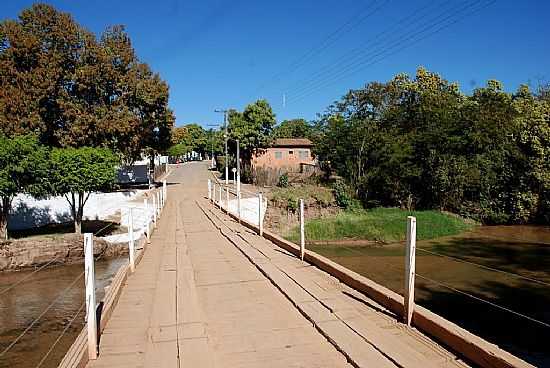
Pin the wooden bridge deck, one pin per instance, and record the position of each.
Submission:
(210, 293)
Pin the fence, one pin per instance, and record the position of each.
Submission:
(471, 346)
(140, 221)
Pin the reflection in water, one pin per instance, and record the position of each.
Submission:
(523, 250)
(21, 305)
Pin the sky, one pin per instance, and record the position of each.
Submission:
(302, 55)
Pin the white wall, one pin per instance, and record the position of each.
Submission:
(28, 212)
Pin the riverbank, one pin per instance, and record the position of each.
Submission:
(38, 251)
(379, 225)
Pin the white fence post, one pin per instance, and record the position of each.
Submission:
(239, 205)
(302, 233)
(131, 238)
(164, 191)
(158, 204)
(260, 221)
(220, 196)
(89, 278)
(410, 269)
(154, 212)
(209, 189)
(147, 220)
(227, 198)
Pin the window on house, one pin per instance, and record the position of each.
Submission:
(304, 155)
(278, 155)
(290, 152)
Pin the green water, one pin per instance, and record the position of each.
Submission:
(522, 250)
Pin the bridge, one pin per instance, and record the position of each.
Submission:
(209, 292)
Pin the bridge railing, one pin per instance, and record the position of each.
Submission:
(140, 221)
(401, 300)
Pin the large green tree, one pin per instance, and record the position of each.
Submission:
(420, 142)
(24, 168)
(253, 127)
(295, 128)
(58, 81)
(78, 172)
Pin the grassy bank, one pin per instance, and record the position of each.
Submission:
(380, 224)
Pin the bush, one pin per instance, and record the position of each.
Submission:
(283, 181)
(342, 195)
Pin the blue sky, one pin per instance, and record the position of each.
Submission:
(227, 53)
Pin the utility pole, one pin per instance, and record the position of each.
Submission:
(238, 168)
(225, 111)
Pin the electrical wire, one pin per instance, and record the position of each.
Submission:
(324, 44)
(354, 68)
(448, 14)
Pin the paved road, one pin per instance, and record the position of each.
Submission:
(209, 293)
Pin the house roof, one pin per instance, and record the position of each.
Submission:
(292, 142)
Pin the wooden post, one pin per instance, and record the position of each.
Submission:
(260, 222)
(209, 189)
(410, 269)
(131, 238)
(147, 220)
(89, 280)
(302, 235)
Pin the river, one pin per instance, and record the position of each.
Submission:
(510, 250)
(20, 306)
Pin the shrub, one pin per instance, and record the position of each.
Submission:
(283, 181)
(342, 195)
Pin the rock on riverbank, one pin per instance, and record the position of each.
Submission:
(37, 251)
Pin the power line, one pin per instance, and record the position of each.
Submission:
(484, 301)
(325, 43)
(372, 60)
(355, 52)
(453, 11)
(41, 315)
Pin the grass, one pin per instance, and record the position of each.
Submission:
(381, 224)
(312, 194)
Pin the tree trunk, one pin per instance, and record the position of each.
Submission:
(4, 212)
(77, 226)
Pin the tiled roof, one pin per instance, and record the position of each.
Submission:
(292, 142)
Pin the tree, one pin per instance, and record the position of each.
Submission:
(192, 136)
(178, 150)
(77, 172)
(252, 127)
(420, 142)
(58, 81)
(295, 128)
(23, 169)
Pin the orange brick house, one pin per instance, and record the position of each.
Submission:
(285, 153)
